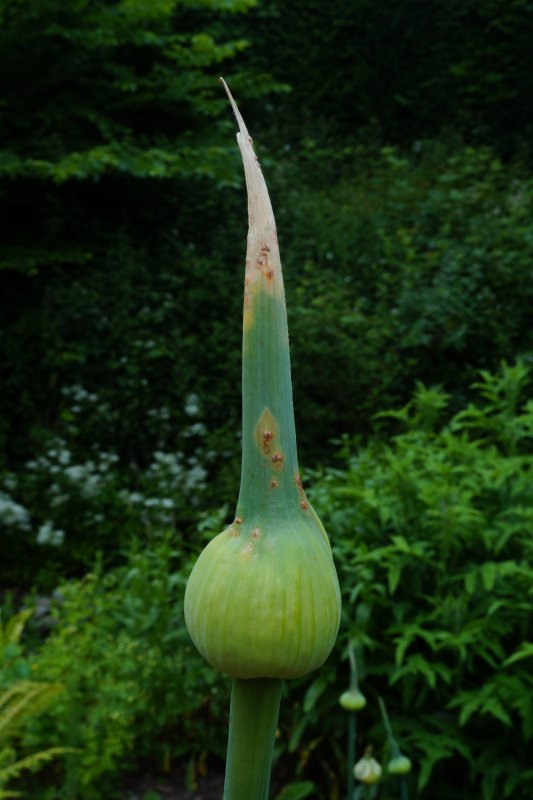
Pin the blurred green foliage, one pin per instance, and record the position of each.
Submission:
(432, 539)
(401, 71)
(395, 140)
(432, 535)
(134, 691)
(408, 267)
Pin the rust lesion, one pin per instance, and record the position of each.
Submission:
(266, 432)
(277, 460)
(273, 484)
(264, 264)
(268, 436)
(304, 503)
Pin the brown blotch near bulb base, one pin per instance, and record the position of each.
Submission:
(303, 499)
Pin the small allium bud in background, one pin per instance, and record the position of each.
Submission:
(399, 765)
(352, 700)
(367, 770)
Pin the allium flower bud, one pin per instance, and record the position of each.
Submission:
(367, 770)
(399, 765)
(352, 700)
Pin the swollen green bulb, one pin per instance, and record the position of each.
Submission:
(399, 765)
(352, 700)
(263, 599)
(367, 770)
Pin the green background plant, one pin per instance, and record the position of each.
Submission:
(401, 176)
(433, 548)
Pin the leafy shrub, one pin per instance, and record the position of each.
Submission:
(432, 537)
(399, 267)
(432, 540)
(20, 700)
(70, 503)
(133, 693)
(403, 267)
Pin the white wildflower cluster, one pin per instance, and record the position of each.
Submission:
(78, 397)
(195, 476)
(12, 514)
(171, 472)
(168, 479)
(79, 394)
(196, 429)
(47, 534)
(162, 413)
(192, 405)
(87, 477)
(152, 509)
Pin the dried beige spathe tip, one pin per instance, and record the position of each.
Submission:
(261, 222)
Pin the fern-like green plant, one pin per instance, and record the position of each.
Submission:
(22, 700)
(11, 630)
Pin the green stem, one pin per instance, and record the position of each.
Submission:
(353, 666)
(404, 792)
(253, 720)
(395, 750)
(352, 733)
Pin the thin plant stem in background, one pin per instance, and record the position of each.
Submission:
(352, 738)
(388, 728)
(352, 701)
(399, 764)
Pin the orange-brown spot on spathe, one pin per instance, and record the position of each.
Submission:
(266, 431)
(303, 499)
(267, 438)
(273, 484)
(263, 264)
(277, 460)
(233, 532)
(238, 520)
(255, 533)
